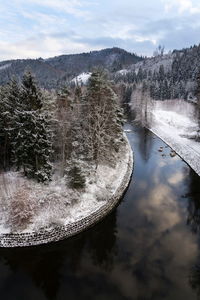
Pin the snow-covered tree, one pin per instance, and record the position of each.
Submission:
(32, 143)
(143, 104)
(9, 105)
(63, 134)
(103, 119)
(3, 135)
(76, 179)
(31, 95)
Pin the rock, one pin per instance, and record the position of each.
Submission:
(172, 153)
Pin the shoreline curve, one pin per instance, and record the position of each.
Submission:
(58, 233)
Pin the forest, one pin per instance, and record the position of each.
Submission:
(39, 128)
(56, 148)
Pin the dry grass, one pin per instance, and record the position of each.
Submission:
(21, 209)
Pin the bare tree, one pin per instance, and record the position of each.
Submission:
(63, 128)
(159, 51)
(103, 119)
(142, 104)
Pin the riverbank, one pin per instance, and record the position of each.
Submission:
(98, 199)
(174, 122)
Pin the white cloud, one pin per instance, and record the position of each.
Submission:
(46, 23)
(182, 6)
(45, 28)
(73, 7)
(45, 47)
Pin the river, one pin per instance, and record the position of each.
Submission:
(148, 248)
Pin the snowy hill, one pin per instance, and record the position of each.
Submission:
(170, 76)
(153, 64)
(57, 70)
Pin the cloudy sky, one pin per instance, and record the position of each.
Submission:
(45, 28)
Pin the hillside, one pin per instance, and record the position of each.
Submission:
(53, 71)
(169, 76)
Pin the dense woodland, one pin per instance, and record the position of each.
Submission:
(67, 131)
(171, 76)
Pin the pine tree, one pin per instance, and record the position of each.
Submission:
(140, 74)
(3, 135)
(32, 144)
(161, 73)
(10, 104)
(31, 95)
(76, 178)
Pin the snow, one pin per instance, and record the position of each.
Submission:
(82, 78)
(153, 63)
(175, 123)
(5, 66)
(56, 204)
(123, 71)
(127, 130)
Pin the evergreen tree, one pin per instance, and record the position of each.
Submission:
(140, 75)
(3, 135)
(32, 144)
(161, 73)
(31, 95)
(9, 105)
(76, 178)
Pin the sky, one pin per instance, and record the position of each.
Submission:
(47, 28)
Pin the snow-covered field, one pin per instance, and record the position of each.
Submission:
(55, 204)
(174, 121)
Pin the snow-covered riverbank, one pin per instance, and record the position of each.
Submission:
(55, 204)
(174, 122)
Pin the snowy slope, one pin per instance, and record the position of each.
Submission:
(153, 63)
(177, 126)
(82, 78)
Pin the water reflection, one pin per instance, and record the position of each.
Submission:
(40, 272)
(166, 248)
(145, 143)
(144, 250)
(193, 196)
(195, 279)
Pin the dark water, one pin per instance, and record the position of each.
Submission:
(148, 248)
